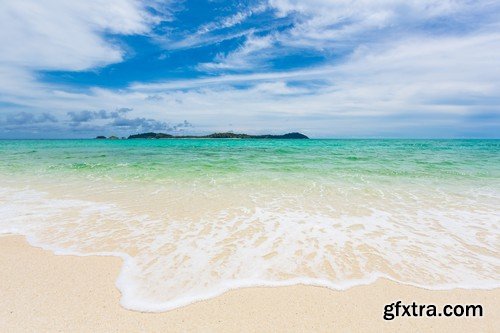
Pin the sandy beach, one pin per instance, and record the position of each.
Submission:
(44, 292)
(249, 166)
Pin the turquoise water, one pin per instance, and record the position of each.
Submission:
(164, 159)
(194, 218)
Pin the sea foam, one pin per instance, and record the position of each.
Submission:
(181, 245)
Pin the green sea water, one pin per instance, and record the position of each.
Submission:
(192, 158)
(193, 218)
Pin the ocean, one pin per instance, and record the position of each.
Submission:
(193, 218)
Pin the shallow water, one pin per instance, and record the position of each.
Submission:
(193, 218)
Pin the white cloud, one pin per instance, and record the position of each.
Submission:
(422, 83)
(216, 31)
(435, 81)
(63, 35)
(319, 22)
(231, 21)
(332, 26)
(67, 35)
(246, 56)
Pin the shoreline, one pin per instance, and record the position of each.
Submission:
(48, 292)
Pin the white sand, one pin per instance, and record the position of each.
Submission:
(42, 292)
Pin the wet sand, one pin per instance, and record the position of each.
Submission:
(44, 292)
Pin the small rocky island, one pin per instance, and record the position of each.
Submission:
(225, 135)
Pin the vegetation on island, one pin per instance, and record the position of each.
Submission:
(224, 135)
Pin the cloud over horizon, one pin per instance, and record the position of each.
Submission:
(327, 68)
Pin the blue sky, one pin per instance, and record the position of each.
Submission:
(327, 68)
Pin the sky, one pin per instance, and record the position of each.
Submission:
(325, 68)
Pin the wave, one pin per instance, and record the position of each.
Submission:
(199, 246)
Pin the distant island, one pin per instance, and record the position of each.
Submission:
(226, 135)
